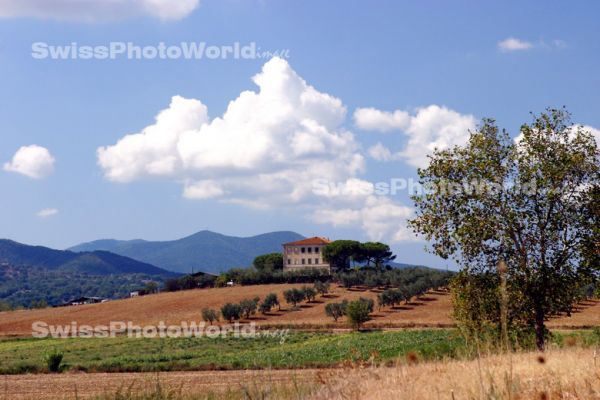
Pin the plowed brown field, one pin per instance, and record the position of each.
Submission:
(432, 310)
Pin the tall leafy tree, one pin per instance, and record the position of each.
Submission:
(525, 201)
(591, 247)
(375, 254)
(268, 262)
(341, 253)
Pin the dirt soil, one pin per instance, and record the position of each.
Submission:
(432, 310)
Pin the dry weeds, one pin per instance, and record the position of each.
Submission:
(572, 373)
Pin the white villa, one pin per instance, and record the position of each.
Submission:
(305, 253)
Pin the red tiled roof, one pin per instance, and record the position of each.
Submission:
(309, 241)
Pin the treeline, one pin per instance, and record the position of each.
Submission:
(417, 279)
(249, 276)
(35, 287)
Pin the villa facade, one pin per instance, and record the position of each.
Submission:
(305, 253)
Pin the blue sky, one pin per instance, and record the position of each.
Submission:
(441, 65)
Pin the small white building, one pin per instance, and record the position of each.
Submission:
(305, 253)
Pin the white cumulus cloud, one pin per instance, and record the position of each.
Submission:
(47, 212)
(269, 144)
(381, 153)
(514, 44)
(32, 161)
(429, 128)
(200, 190)
(381, 218)
(266, 150)
(371, 119)
(97, 10)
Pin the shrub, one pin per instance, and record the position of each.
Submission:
(322, 287)
(358, 313)
(231, 311)
(270, 301)
(248, 307)
(369, 302)
(209, 315)
(336, 310)
(53, 361)
(294, 296)
(309, 293)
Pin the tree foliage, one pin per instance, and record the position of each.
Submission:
(336, 310)
(248, 307)
(268, 262)
(340, 253)
(268, 303)
(231, 311)
(294, 296)
(209, 315)
(358, 312)
(523, 201)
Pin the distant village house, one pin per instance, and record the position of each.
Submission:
(305, 253)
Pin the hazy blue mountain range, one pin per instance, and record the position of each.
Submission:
(33, 276)
(94, 262)
(203, 251)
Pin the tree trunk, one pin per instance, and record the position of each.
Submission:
(540, 329)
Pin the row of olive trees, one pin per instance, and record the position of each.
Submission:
(308, 293)
(248, 307)
(393, 297)
(244, 309)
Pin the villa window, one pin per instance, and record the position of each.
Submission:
(316, 261)
(303, 261)
(310, 260)
(303, 250)
(289, 261)
(316, 249)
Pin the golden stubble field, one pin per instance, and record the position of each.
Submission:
(570, 373)
(432, 310)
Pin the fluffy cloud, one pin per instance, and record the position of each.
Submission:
(514, 44)
(93, 10)
(371, 119)
(430, 128)
(266, 151)
(381, 153)
(269, 144)
(33, 161)
(47, 212)
(201, 190)
(379, 217)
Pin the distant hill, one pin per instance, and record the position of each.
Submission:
(94, 262)
(33, 275)
(204, 251)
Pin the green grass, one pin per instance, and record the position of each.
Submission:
(300, 350)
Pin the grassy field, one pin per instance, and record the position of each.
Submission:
(569, 372)
(300, 350)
